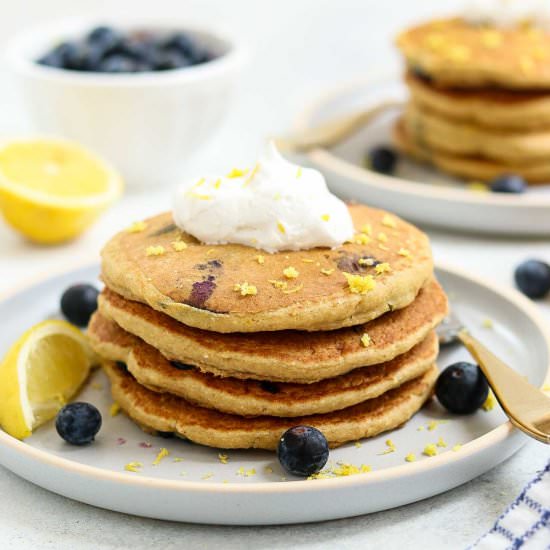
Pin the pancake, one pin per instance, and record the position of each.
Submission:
(285, 356)
(201, 286)
(465, 139)
(469, 167)
(456, 53)
(251, 397)
(168, 413)
(497, 109)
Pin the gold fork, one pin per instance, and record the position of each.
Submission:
(526, 406)
(334, 131)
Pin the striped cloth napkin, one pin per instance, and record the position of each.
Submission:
(525, 523)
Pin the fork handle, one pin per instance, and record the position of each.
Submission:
(526, 406)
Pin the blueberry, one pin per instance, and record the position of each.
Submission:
(170, 59)
(106, 37)
(78, 423)
(78, 303)
(117, 63)
(533, 278)
(188, 47)
(508, 183)
(303, 451)
(462, 388)
(382, 159)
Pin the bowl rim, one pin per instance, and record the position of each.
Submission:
(20, 62)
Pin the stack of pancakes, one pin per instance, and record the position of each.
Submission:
(229, 347)
(479, 99)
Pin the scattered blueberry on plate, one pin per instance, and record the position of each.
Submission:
(533, 278)
(508, 183)
(108, 50)
(462, 388)
(78, 303)
(303, 451)
(78, 423)
(382, 159)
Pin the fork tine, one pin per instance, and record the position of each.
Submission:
(448, 330)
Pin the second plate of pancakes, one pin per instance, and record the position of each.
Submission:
(417, 192)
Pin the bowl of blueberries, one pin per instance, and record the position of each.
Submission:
(144, 95)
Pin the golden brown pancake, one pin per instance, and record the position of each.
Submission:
(204, 286)
(465, 139)
(489, 108)
(252, 397)
(469, 167)
(456, 53)
(168, 413)
(286, 356)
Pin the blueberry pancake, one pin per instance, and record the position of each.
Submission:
(284, 356)
(488, 108)
(164, 412)
(256, 397)
(462, 54)
(236, 288)
(469, 167)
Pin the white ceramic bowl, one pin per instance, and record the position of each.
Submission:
(146, 124)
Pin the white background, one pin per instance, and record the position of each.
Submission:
(298, 48)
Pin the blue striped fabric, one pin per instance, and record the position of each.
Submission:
(525, 523)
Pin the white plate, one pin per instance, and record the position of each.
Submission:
(95, 474)
(416, 192)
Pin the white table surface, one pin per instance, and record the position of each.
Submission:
(298, 49)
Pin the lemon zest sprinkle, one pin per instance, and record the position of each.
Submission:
(405, 252)
(281, 228)
(278, 284)
(245, 289)
(293, 290)
(391, 447)
(299, 172)
(430, 449)
(325, 217)
(178, 246)
(268, 470)
(383, 267)
(366, 340)
(114, 409)
(411, 457)
(290, 272)
(136, 227)
(162, 454)
(218, 183)
(209, 475)
(199, 196)
(237, 173)
(358, 444)
(457, 447)
(382, 237)
(490, 402)
(388, 221)
(223, 458)
(133, 467)
(360, 284)
(155, 250)
(260, 259)
(361, 238)
(327, 272)
(308, 260)
(177, 459)
(441, 442)
(487, 323)
(366, 229)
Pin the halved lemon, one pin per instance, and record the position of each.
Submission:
(52, 190)
(40, 373)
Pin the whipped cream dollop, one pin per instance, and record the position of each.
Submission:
(275, 205)
(508, 13)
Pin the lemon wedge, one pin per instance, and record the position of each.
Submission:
(40, 373)
(52, 190)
